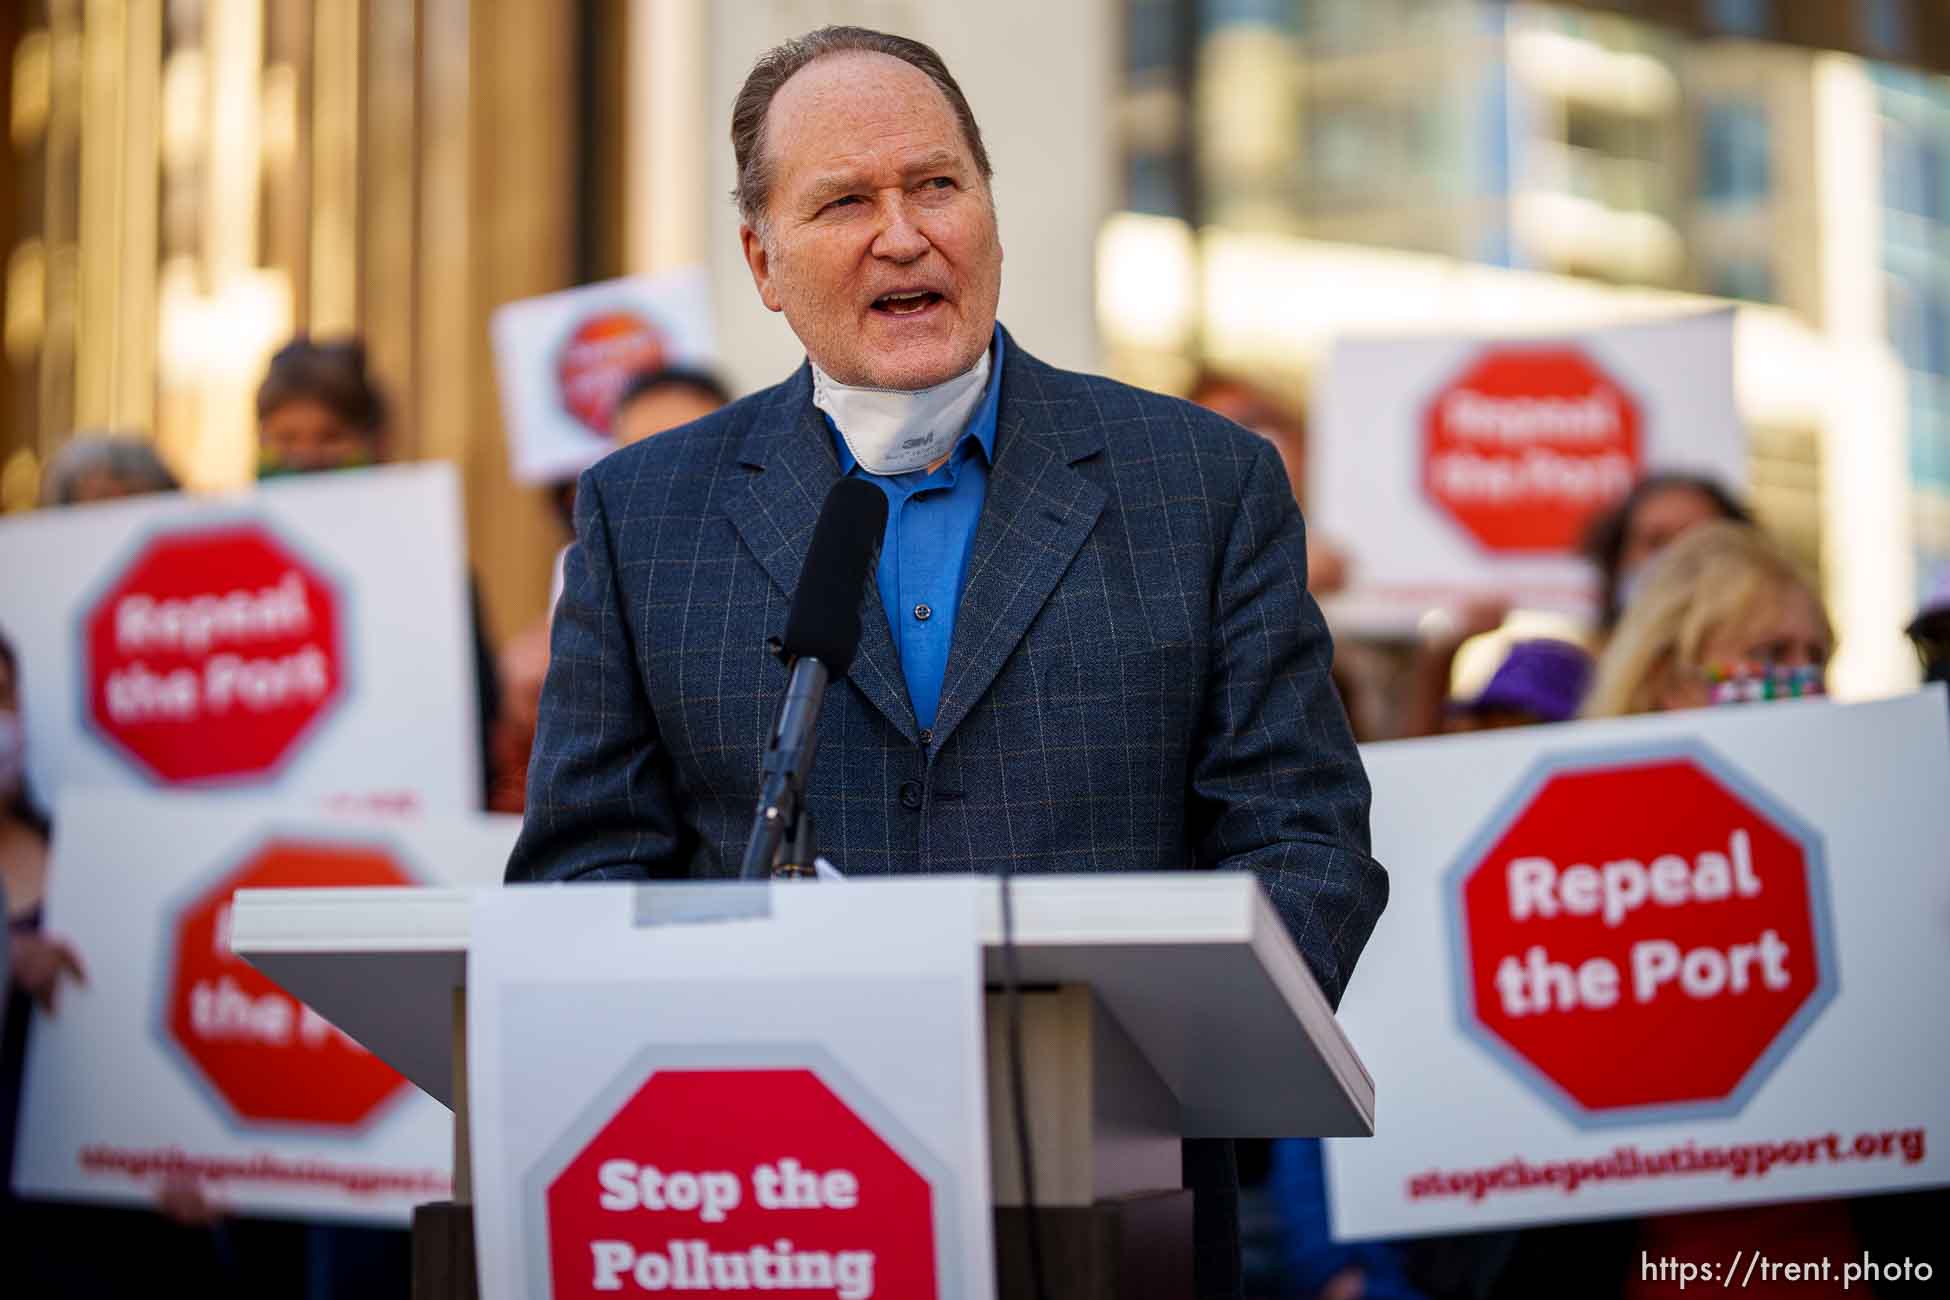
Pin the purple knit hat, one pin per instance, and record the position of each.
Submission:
(1545, 678)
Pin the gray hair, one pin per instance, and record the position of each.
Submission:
(777, 66)
(126, 457)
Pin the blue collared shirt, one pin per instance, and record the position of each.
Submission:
(931, 521)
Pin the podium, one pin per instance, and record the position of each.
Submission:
(1155, 1007)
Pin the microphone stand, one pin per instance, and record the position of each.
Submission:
(781, 843)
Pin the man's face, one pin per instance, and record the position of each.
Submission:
(881, 246)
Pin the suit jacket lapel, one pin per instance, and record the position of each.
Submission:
(1038, 513)
(774, 509)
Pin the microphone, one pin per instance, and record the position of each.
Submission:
(822, 634)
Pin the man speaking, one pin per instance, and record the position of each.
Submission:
(1087, 644)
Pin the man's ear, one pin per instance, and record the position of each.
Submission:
(760, 263)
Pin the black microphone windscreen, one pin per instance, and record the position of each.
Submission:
(824, 622)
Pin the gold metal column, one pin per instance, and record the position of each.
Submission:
(191, 181)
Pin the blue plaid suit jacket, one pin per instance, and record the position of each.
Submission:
(1138, 678)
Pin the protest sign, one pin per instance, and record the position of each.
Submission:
(309, 637)
(1654, 964)
(1489, 457)
(176, 1057)
(798, 1130)
(562, 358)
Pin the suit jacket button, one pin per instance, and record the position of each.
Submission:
(910, 794)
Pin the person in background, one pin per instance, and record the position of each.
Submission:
(1723, 617)
(1313, 1264)
(1253, 408)
(38, 966)
(651, 402)
(1658, 509)
(38, 963)
(1540, 680)
(1439, 638)
(1929, 632)
(318, 410)
(655, 400)
(104, 467)
(55, 1248)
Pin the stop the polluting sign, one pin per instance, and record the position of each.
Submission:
(724, 1181)
(1641, 933)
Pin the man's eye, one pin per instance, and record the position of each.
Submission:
(845, 201)
(938, 183)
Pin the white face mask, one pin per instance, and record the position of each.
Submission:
(894, 432)
(13, 755)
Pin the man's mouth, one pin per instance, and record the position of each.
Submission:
(906, 303)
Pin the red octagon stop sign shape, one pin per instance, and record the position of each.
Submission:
(212, 654)
(1526, 444)
(268, 1057)
(1642, 935)
(601, 356)
(748, 1179)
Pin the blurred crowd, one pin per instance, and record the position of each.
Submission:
(1696, 607)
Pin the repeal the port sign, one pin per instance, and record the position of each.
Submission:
(1489, 455)
(309, 638)
(1640, 930)
(212, 653)
(177, 1059)
(267, 1057)
(1527, 444)
(1651, 965)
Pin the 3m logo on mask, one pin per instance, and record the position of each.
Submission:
(894, 432)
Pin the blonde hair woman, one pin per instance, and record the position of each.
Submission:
(1724, 615)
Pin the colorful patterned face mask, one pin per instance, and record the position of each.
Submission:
(270, 467)
(1749, 682)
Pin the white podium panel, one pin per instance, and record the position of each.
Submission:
(1195, 967)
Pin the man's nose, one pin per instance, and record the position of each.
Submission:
(899, 240)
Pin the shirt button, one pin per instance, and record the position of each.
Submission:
(910, 794)
(927, 735)
(923, 612)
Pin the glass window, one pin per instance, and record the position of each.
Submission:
(1734, 145)
(1885, 24)
(1919, 325)
(1750, 279)
(1915, 170)
(1743, 17)
(1279, 14)
(1151, 36)
(1151, 186)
